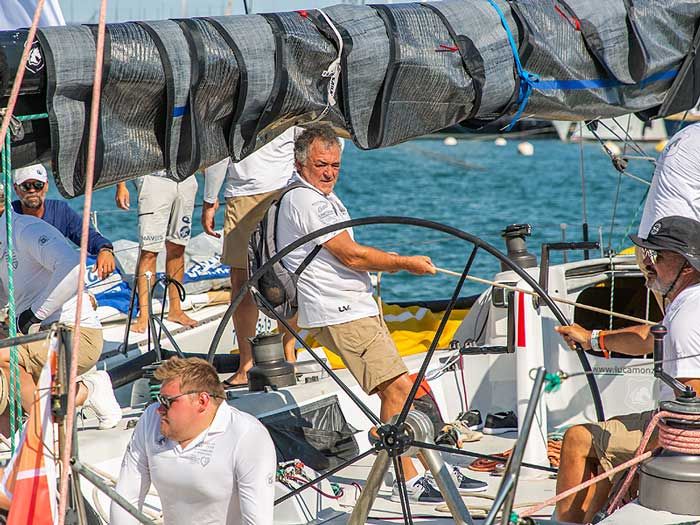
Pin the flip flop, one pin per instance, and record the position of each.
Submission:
(228, 385)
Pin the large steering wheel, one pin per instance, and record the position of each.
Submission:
(394, 429)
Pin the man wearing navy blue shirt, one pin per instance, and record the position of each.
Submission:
(31, 186)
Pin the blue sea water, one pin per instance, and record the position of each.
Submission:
(475, 186)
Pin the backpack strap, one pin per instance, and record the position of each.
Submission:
(307, 260)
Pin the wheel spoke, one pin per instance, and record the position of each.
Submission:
(365, 409)
(436, 337)
(403, 492)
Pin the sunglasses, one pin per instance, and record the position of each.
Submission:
(167, 401)
(37, 185)
(652, 255)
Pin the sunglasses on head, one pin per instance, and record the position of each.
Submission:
(37, 185)
(167, 401)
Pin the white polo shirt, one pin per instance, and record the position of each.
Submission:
(675, 188)
(328, 291)
(683, 338)
(267, 169)
(225, 476)
(46, 271)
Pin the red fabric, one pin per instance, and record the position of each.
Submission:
(423, 389)
(30, 502)
(521, 341)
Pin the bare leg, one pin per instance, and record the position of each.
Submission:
(175, 268)
(393, 395)
(146, 263)
(27, 389)
(4, 502)
(289, 340)
(579, 463)
(244, 320)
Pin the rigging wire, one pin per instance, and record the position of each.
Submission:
(583, 177)
(89, 179)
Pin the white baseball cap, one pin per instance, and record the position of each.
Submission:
(33, 172)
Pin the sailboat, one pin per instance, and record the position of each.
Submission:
(624, 129)
(383, 74)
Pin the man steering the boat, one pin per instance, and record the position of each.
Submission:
(209, 462)
(335, 292)
(46, 271)
(672, 266)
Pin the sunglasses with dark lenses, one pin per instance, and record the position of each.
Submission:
(167, 401)
(37, 185)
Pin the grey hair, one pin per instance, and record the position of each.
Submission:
(322, 132)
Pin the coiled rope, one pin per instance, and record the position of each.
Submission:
(685, 441)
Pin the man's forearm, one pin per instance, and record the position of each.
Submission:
(214, 177)
(633, 340)
(369, 259)
(58, 291)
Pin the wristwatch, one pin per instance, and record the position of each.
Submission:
(595, 335)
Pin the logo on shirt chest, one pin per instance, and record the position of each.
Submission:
(201, 455)
(344, 308)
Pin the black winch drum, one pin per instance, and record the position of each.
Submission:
(271, 369)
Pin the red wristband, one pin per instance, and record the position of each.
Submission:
(601, 344)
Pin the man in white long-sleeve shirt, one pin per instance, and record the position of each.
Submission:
(210, 463)
(45, 284)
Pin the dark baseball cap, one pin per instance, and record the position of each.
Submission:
(675, 234)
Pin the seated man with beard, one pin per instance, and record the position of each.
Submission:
(672, 266)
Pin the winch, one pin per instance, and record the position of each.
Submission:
(516, 245)
(670, 479)
(271, 369)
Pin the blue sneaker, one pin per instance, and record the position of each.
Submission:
(420, 491)
(465, 485)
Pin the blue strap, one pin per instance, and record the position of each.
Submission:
(527, 79)
(603, 83)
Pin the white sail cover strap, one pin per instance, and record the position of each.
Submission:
(333, 70)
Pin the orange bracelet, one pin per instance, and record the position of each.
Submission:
(601, 344)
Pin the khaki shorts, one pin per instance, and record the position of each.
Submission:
(165, 211)
(32, 357)
(617, 439)
(241, 217)
(366, 348)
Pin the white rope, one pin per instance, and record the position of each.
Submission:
(332, 72)
(554, 298)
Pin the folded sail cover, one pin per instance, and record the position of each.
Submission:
(184, 94)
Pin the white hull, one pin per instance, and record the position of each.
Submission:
(491, 385)
(626, 128)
